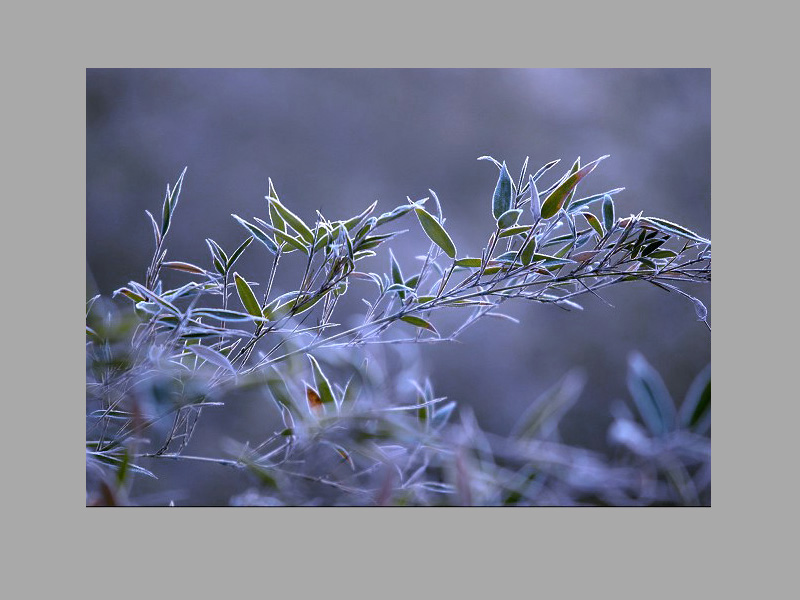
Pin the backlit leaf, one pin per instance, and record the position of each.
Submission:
(608, 212)
(246, 296)
(594, 222)
(322, 383)
(258, 233)
(436, 232)
(555, 200)
(314, 401)
(293, 221)
(418, 322)
(674, 228)
(182, 266)
(238, 252)
(509, 218)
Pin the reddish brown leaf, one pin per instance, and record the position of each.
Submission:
(314, 401)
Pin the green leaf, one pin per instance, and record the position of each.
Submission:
(662, 254)
(575, 166)
(468, 262)
(503, 192)
(555, 200)
(219, 267)
(323, 385)
(398, 212)
(509, 218)
(350, 223)
(608, 212)
(216, 251)
(212, 356)
(259, 234)
(293, 221)
(247, 296)
(163, 302)
(238, 252)
(418, 322)
(293, 242)
(526, 256)
(650, 396)
(674, 228)
(176, 191)
(274, 216)
(166, 214)
(436, 232)
(512, 231)
(695, 411)
(594, 222)
(397, 275)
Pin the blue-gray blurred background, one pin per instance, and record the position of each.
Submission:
(336, 140)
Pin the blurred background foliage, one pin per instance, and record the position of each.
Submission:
(336, 140)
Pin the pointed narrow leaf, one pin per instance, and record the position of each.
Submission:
(212, 356)
(418, 322)
(496, 162)
(576, 165)
(545, 168)
(674, 228)
(536, 201)
(436, 232)
(468, 262)
(351, 223)
(259, 234)
(166, 214)
(503, 192)
(293, 221)
(322, 383)
(271, 193)
(398, 212)
(156, 231)
(397, 274)
(608, 212)
(276, 219)
(580, 203)
(247, 296)
(176, 191)
(314, 401)
(183, 266)
(216, 250)
(555, 200)
(514, 231)
(526, 256)
(594, 222)
(293, 242)
(238, 252)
